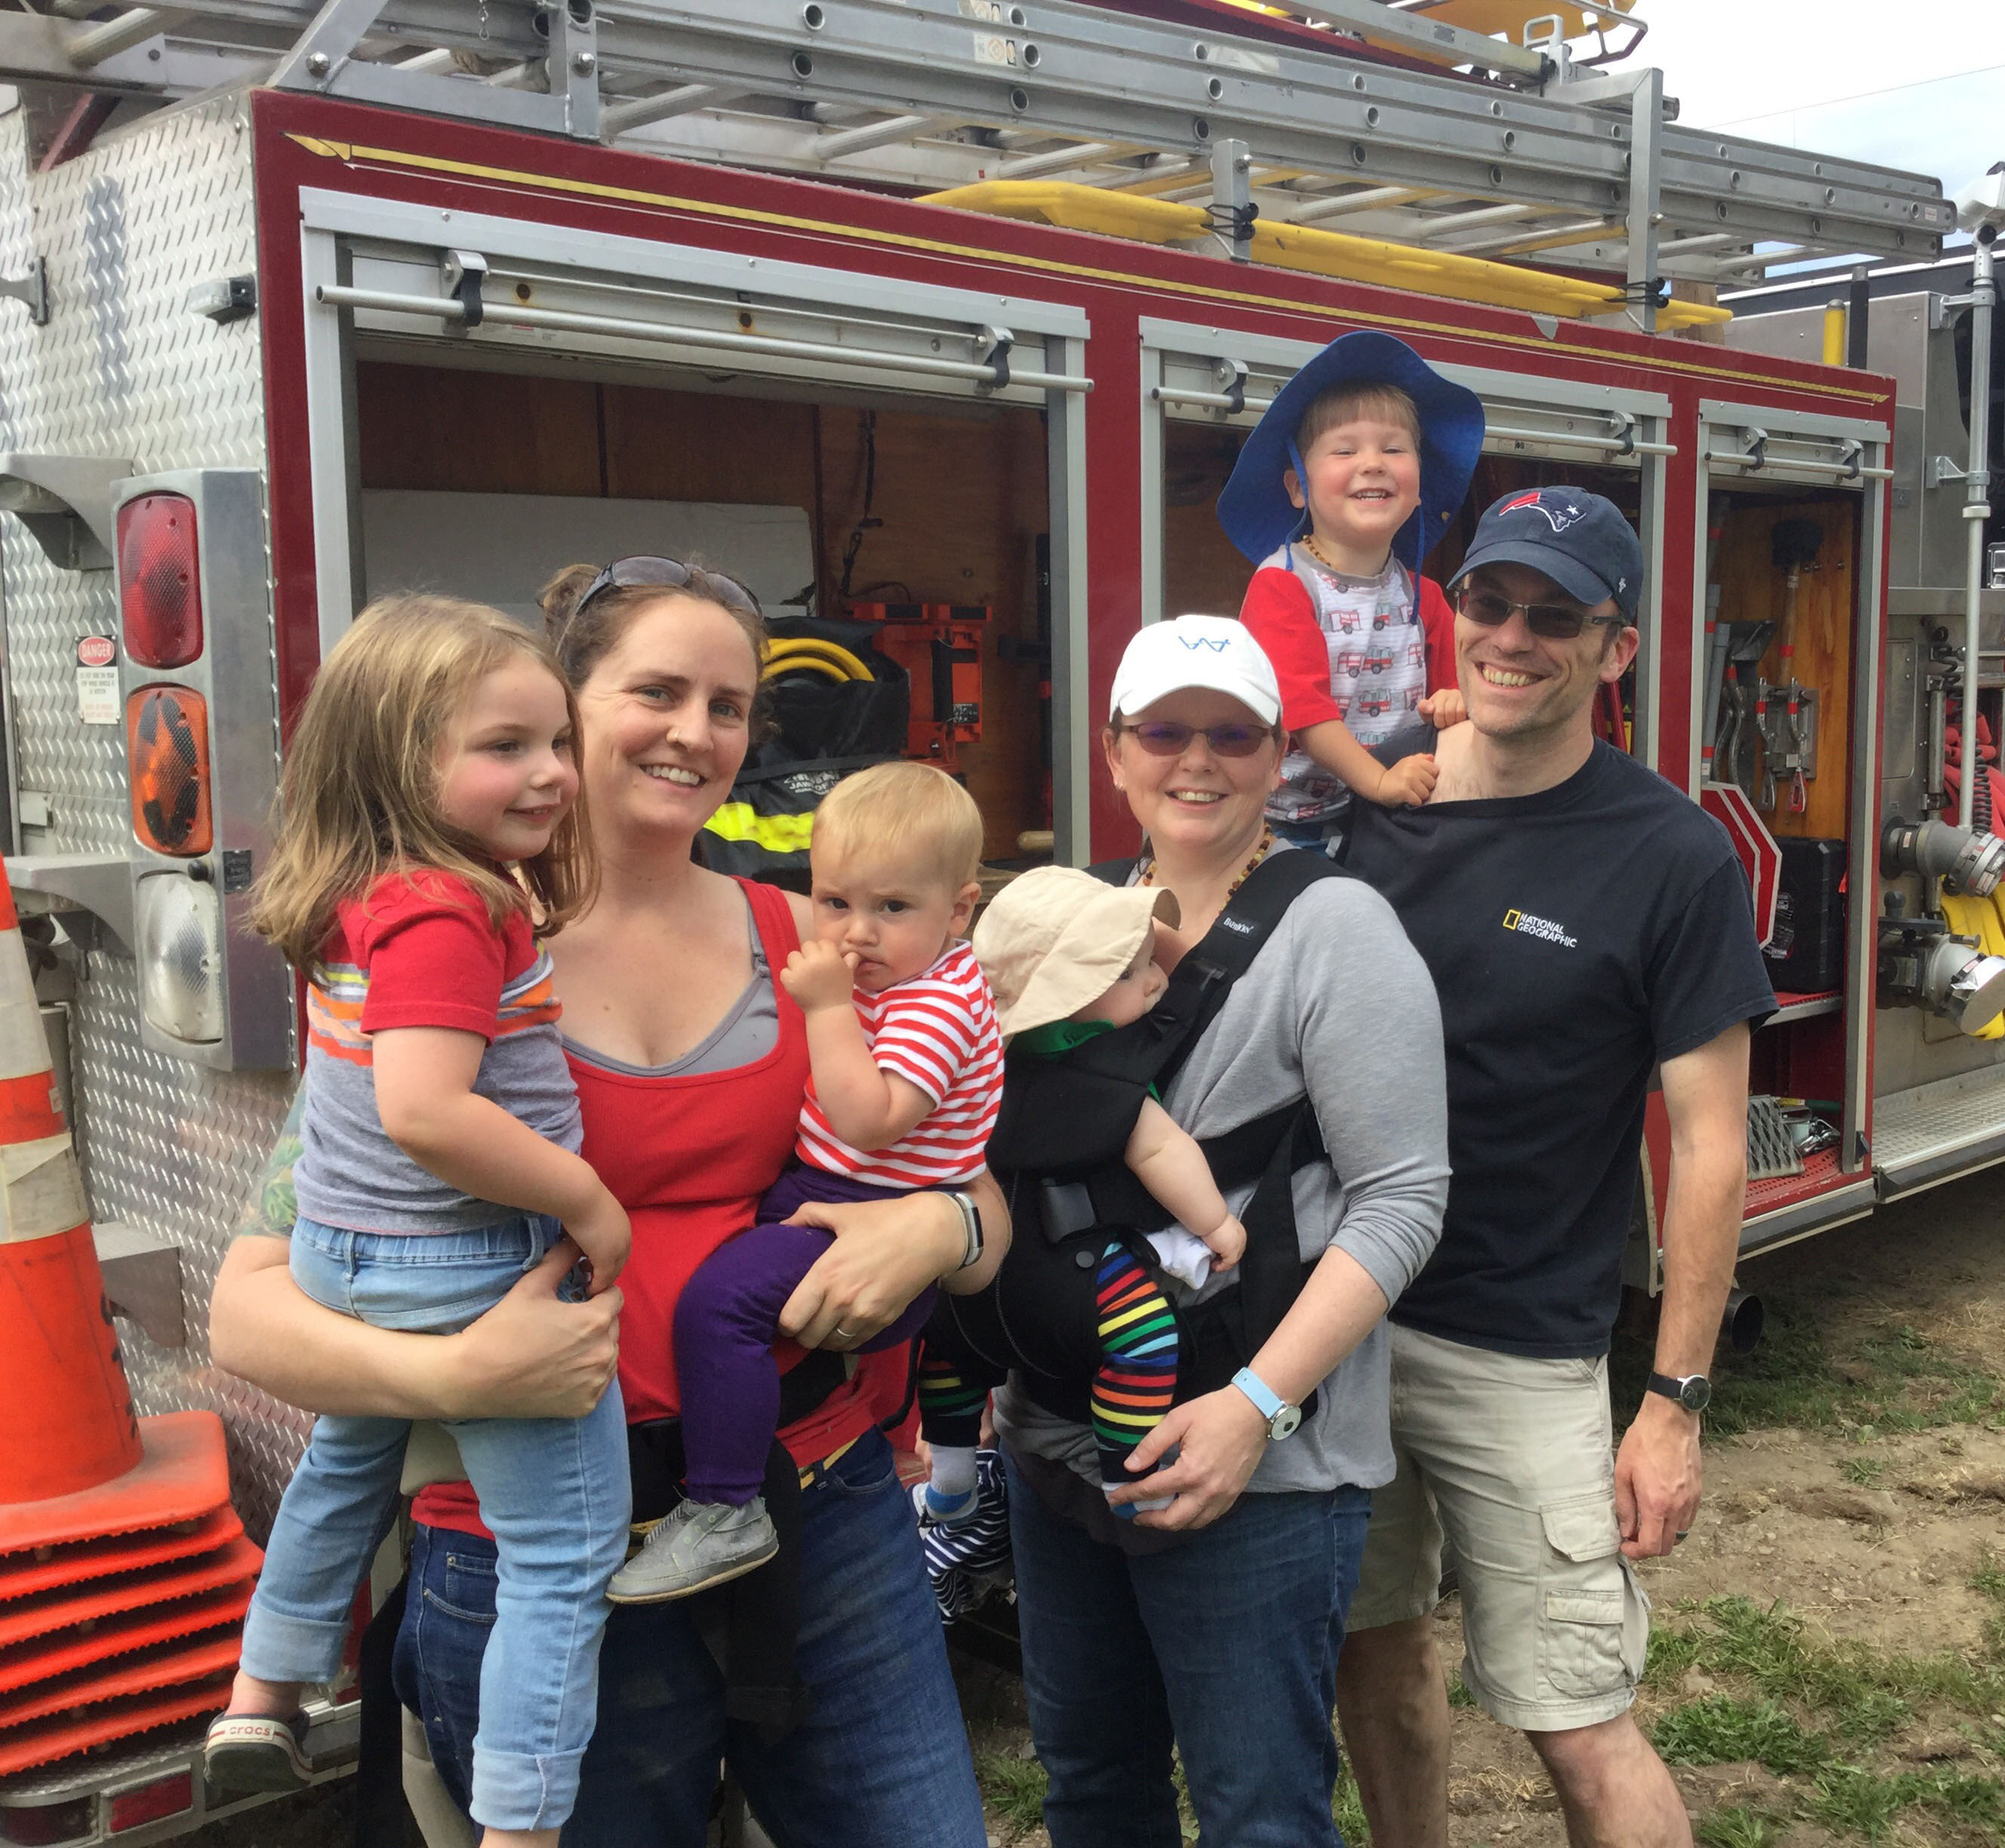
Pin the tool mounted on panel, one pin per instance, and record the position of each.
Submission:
(1793, 546)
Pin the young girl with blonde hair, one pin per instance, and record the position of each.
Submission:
(432, 824)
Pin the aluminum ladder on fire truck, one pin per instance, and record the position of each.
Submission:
(1390, 118)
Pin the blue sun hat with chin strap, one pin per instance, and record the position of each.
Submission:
(1255, 510)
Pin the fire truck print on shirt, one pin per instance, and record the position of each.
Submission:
(1377, 670)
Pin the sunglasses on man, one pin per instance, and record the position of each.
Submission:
(1553, 622)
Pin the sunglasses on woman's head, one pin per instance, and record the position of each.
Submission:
(1555, 622)
(1163, 737)
(670, 573)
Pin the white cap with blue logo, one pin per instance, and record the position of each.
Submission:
(1216, 653)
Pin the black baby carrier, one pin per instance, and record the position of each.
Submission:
(1057, 1152)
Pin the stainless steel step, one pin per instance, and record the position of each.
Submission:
(1938, 1130)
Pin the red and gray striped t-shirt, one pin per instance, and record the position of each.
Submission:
(938, 1031)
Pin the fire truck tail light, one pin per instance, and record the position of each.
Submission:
(169, 1797)
(166, 748)
(179, 923)
(50, 1823)
(159, 580)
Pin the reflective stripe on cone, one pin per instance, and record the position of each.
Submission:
(70, 1423)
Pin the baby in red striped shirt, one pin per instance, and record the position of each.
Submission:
(907, 1064)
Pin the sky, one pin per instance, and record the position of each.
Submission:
(1915, 84)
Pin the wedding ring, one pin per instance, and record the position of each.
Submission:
(843, 1334)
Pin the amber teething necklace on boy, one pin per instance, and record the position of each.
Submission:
(1330, 564)
(1259, 853)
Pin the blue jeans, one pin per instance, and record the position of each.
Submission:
(1225, 1644)
(555, 1490)
(881, 1762)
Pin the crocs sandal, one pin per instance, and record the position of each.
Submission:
(256, 1751)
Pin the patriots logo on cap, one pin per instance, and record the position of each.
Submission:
(1561, 513)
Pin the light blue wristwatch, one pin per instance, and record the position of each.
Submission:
(1282, 1419)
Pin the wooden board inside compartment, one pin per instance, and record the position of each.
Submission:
(1752, 589)
(960, 496)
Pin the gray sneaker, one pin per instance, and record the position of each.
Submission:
(696, 1545)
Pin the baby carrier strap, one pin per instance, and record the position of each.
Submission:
(1065, 1117)
(1075, 1149)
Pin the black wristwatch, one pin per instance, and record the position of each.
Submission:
(1694, 1391)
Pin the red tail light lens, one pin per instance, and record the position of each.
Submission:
(167, 748)
(159, 582)
(150, 1802)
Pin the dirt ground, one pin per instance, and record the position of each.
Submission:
(1828, 1664)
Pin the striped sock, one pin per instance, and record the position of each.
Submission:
(950, 1399)
(1137, 1375)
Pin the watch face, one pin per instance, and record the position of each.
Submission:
(1284, 1422)
(1695, 1392)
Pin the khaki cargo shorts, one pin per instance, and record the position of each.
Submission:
(1510, 1462)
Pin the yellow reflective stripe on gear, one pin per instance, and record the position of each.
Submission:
(777, 834)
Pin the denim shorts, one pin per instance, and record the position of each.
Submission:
(425, 1283)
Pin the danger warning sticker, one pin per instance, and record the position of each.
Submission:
(97, 680)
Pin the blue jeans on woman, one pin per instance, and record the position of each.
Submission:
(881, 1762)
(1224, 1644)
(556, 1491)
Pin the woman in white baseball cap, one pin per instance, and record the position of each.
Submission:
(1216, 1620)
(1193, 740)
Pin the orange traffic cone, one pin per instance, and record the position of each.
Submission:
(71, 1424)
(112, 1528)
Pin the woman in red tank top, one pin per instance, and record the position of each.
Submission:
(691, 1065)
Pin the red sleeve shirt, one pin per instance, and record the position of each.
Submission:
(1437, 619)
(1280, 612)
(434, 959)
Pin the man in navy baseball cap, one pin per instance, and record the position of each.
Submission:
(1579, 540)
(1590, 933)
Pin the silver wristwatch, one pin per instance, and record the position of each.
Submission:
(970, 1223)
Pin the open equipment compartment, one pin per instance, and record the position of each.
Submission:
(1789, 551)
(815, 431)
(517, 473)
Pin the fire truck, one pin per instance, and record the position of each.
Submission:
(885, 306)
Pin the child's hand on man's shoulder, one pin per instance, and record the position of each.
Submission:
(1445, 709)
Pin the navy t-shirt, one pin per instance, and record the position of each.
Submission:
(1576, 937)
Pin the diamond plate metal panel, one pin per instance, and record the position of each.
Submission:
(124, 368)
(1910, 1127)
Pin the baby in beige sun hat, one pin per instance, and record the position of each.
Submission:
(1070, 957)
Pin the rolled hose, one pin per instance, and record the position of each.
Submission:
(810, 653)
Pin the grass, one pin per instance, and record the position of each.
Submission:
(1721, 1729)
(1740, 1827)
(1861, 1472)
(1807, 1708)
(1863, 1693)
(1864, 1802)
(1013, 1787)
(1348, 1810)
(1988, 1581)
(1893, 1380)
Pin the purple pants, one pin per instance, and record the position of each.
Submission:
(727, 1320)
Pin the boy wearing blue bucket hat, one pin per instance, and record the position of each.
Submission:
(1342, 488)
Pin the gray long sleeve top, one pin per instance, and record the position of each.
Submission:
(1336, 1006)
